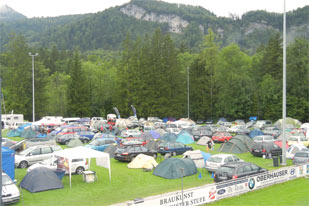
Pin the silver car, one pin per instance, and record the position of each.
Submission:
(215, 161)
(301, 158)
(10, 192)
(35, 154)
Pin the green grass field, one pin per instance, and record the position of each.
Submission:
(128, 184)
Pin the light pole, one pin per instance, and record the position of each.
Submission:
(188, 93)
(182, 173)
(33, 104)
(284, 88)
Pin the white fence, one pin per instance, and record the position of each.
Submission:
(212, 192)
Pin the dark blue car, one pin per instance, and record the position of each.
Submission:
(173, 148)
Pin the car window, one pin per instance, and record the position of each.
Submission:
(226, 160)
(215, 159)
(143, 149)
(76, 129)
(255, 168)
(247, 168)
(236, 159)
(294, 150)
(229, 159)
(46, 150)
(240, 170)
(301, 154)
(36, 151)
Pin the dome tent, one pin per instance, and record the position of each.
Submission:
(41, 179)
(238, 144)
(203, 140)
(169, 137)
(74, 143)
(173, 168)
(255, 132)
(143, 161)
(185, 138)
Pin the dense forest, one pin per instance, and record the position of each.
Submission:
(84, 73)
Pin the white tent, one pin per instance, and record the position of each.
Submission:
(102, 158)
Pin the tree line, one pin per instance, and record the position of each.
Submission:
(152, 74)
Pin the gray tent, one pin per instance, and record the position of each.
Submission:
(74, 143)
(153, 144)
(238, 144)
(41, 179)
(173, 168)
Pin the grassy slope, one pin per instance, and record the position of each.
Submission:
(126, 184)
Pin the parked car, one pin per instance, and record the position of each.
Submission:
(299, 140)
(65, 139)
(215, 161)
(10, 192)
(266, 148)
(273, 131)
(35, 154)
(128, 153)
(295, 148)
(87, 134)
(263, 138)
(261, 124)
(6, 142)
(133, 140)
(239, 129)
(131, 133)
(301, 158)
(221, 137)
(101, 144)
(26, 143)
(72, 130)
(200, 131)
(173, 148)
(78, 165)
(237, 170)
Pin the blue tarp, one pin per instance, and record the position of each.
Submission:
(222, 119)
(8, 160)
(41, 135)
(253, 118)
(185, 138)
(255, 132)
(21, 128)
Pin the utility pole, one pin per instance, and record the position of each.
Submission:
(33, 103)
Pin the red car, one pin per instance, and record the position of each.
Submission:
(221, 137)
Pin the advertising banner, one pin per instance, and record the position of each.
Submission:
(196, 196)
(232, 188)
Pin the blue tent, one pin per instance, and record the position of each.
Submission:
(205, 156)
(13, 133)
(222, 119)
(169, 137)
(185, 138)
(255, 132)
(41, 135)
(8, 160)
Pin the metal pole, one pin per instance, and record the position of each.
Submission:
(33, 102)
(188, 93)
(1, 203)
(284, 88)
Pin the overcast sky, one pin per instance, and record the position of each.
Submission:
(44, 8)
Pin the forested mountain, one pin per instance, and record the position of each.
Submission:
(186, 24)
(7, 14)
(146, 53)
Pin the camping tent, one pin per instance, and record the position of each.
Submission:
(203, 140)
(173, 168)
(169, 137)
(102, 158)
(185, 138)
(296, 123)
(13, 133)
(238, 144)
(74, 143)
(255, 132)
(154, 134)
(8, 162)
(160, 131)
(198, 157)
(143, 161)
(28, 133)
(41, 179)
(153, 144)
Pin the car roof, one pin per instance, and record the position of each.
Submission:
(222, 155)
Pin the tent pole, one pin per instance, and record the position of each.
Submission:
(70, 165)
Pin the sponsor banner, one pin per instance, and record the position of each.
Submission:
(268, 178)
(307, 169)
(197, 196)
(293, 173)
(232, 188)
